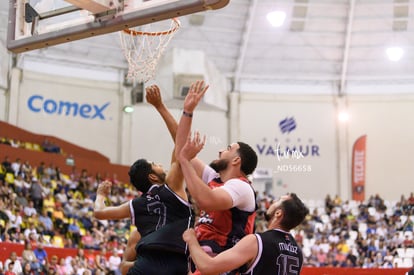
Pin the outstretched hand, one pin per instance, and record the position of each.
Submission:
(193, 146)
(153, 96)
(195, 94)
(104, 188)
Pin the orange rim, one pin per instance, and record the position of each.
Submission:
(134, 32)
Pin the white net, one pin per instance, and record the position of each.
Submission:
(143, 49)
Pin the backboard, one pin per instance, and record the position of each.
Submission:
(35, 24)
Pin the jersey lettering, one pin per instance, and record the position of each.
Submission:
(288, 247)
(288, 265)
(159, 209)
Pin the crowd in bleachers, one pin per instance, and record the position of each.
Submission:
(46, 146)
(371, 234)
(40, 206)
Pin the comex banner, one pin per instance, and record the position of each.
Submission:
(40, 104)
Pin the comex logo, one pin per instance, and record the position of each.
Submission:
(37, 103)
(287, 125)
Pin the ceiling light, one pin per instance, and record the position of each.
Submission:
(394, 53)
(276, 18)
(343, 116)
(128, 109)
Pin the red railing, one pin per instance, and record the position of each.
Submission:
(6, 248)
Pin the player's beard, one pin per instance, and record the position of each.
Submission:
(219, 165)
(161, 176)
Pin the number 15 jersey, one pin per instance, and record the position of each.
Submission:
(278, 254)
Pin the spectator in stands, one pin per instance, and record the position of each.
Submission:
(83, 181)
(5, 237)
(61, 267)
(49, 146)
(411, 201)
(61, 196)
(90, 260)
(113, 263)
(29, 256)
(101, 260)
(16, 166)
(59, 218)
(15, 218)
(70, 209)
(86, 218)
(7, 165)
(41, 256)
(33, 239)
(79, 267)
(88, 241)
(321, 257)
(40, 170)
(59, 174)
(74, 231)
(19, 184)
(17, 266)
(51, 171)
(56, 240)
(53, 265)
(120, 229)
(46, 223)
(49, 202)
(16, 143)
(30, 210)
(27, 269)
(408, 225)
(26, 168)
(408, 241)
(81, 258)
(9, 270)
(31, 230)
(68, 243)
(36, 194)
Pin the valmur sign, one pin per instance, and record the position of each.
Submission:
(39, 104)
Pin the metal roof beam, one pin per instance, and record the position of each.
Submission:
(345, 60)
(244, 43)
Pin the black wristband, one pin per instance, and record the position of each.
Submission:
(187, 114)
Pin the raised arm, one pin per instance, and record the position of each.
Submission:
(153, 97)
(205, 197)
(195, 94)
(174, 177)
(243, 252)
(130, 254)
(103, 212)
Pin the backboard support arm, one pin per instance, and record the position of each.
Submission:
(106, 22)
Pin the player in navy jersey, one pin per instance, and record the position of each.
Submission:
(161, 214)
(274, 252)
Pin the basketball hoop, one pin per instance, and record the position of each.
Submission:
(143, 49)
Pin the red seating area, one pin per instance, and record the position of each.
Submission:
(83, 158)
(21, 215)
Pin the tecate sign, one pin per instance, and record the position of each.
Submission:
(37, 104)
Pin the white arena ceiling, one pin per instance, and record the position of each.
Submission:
(338, 43)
